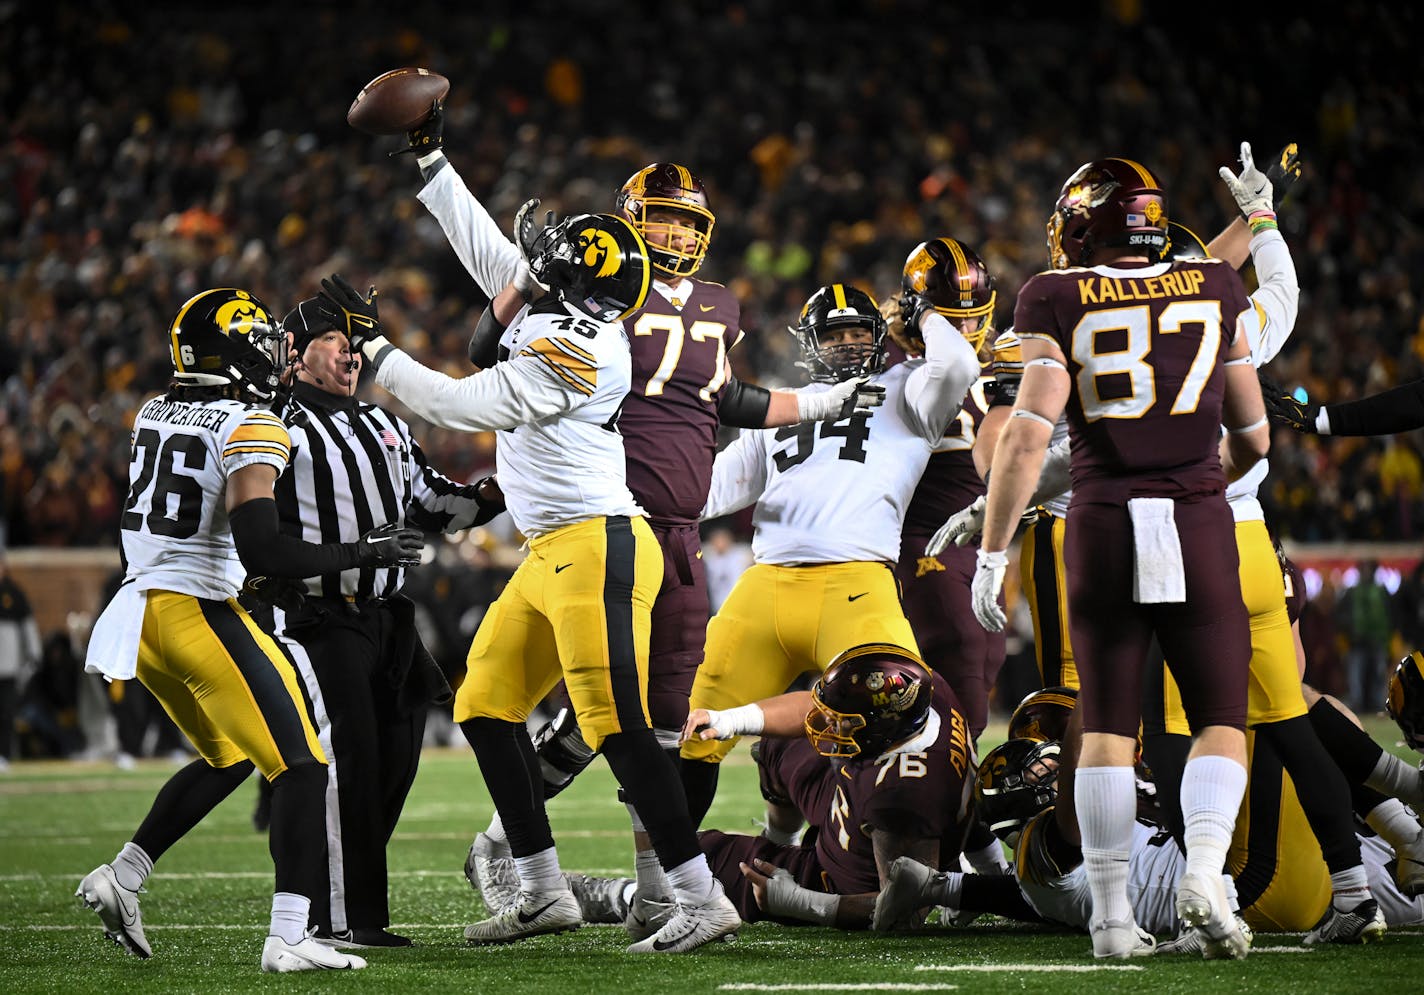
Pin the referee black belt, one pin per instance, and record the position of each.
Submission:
(348, 603)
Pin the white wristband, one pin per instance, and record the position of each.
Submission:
(744, 720)
(429, 158)
(1322, 421)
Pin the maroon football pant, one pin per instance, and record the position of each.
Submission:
(1207, 638)
(936, 593)
(679, 631)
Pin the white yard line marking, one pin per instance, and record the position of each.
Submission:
(841, 986)
(1065, 968)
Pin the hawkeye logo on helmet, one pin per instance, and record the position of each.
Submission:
(600, 249)
(237, 317)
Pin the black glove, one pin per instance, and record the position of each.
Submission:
(351, 313)
(1284, 172)
(912, 309)
(390, 546)
(285, 593)
(428, 135)
(490, 499)
(1283, 409)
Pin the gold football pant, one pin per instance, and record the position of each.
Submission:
(781, 622)
(225, 683)
(1273, 689)
(579, 607)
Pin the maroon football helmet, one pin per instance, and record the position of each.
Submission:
(952, 277)
(1043, 714)
(1107, 203)
(670, 190)
(871, 698)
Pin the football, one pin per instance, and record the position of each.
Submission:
(395, 102)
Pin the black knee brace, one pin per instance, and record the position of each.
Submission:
(562, 752)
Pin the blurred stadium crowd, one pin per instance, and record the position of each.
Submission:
(150, 151)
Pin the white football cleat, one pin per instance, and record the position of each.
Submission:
(117, 907)
(279, 957)
(534, 913)
(601, 900)
(648, 915)
(1193, 941)
(489, 867)
(909, 887)
(1203, 904)
(691, 926)
(1120, 939)
(1365, 923)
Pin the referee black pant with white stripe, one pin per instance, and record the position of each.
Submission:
(347, 660)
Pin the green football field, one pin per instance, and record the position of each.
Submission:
(207, 906)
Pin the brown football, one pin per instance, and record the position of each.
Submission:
(395, 102)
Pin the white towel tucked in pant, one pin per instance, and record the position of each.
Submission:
(113, 644)
(1158, 575)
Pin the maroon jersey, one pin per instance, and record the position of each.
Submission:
(669, 421)
(921, 795)
(950, 481)
(1145, 346)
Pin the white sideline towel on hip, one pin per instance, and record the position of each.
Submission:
(1158, 576)
(113, 644)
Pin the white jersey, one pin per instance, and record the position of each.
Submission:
(1153, 872)
(175, 531)
(1268, 324)
(830, 492)
(555, 404)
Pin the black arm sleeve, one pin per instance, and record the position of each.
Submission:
(266, 552)
(1397, 410)
(484, 343)
(743, 405)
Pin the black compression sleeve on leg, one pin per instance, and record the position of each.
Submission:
(1354, 751)
(649, 781)
(297, 837)
(184, 801)
(699, 784)
(511, 771)
(1320, 787)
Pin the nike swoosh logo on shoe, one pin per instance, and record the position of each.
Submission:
(128, 912)
(525, 919)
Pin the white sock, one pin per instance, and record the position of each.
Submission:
(289, 916)
(635, 818)
(1212, 789)
(1349, 888)
(1106, 800)
(989, 860)
(652, 882)
(540, 871)
(132, 867)
(692, 881)
(948, 889)
(1397, 826)
(1393, 777)
(496, 830)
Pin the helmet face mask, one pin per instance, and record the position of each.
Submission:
(667, 204)
(1107, 203)
(227, 338)
(870, 699)
(829, 311)
(1017, 780)
(952, 277)
(597, 262)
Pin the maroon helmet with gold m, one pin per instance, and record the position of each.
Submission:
(872, 697)
(1107, 203)
(679, 200)
(955, 281)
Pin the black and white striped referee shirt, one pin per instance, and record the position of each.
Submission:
(354, 468)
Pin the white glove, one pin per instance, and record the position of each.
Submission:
(849, 397)
(1251, 189)
(984, 591)
(709, 723)
(962, 527)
